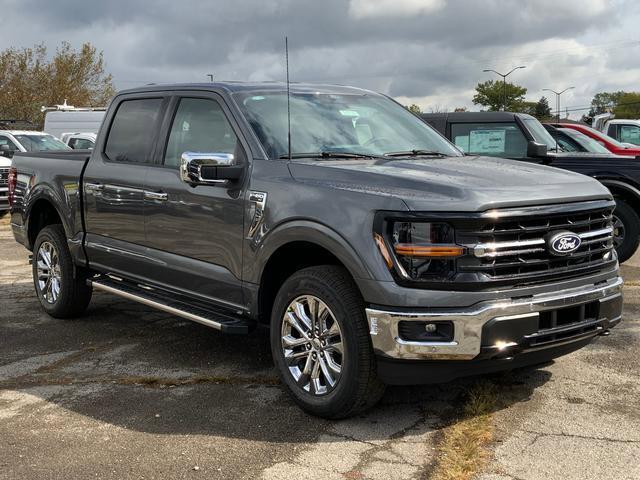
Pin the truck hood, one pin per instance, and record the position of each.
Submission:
(452, 183)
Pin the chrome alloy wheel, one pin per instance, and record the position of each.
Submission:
(618, 232)
(49, 274)
(312, 345)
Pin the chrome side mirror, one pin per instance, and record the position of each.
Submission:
(208, 168)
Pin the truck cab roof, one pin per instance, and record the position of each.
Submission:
(235, 87)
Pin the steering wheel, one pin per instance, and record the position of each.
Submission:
(374, 141)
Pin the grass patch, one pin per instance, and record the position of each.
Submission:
(463, 450)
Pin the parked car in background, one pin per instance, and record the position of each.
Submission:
(65, 119)
(623, 130)
(570, 140)
(609, 143)
(79, 141)
(523, 137)
(375, 251)
(12, 141)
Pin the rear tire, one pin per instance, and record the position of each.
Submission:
(626, 230)
(339, 309)
(61, 286)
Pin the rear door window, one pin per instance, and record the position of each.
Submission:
(132, 131)
(491, 139)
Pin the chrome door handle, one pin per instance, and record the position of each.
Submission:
(93, 187)
(158, 196)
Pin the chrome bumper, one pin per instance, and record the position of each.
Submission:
(4, 198)
(468, 323)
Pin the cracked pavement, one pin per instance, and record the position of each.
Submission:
(129, 392)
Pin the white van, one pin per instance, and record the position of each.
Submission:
(64, 119)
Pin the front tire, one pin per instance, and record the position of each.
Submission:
(320, 343)
(61, 286)
(626, 230)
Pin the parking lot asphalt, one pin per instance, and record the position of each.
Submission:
(129, 392)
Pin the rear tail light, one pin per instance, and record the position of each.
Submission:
(13, 183)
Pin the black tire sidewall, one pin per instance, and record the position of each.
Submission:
(339, 399)
(54, 234)
(629, 218)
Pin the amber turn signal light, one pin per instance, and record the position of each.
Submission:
(435, 251)
(383, 250)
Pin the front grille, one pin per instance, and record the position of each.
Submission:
(4, 176)
(514, 247)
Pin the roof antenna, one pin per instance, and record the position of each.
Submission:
(286, 53)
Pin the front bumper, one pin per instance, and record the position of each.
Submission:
(499, 328)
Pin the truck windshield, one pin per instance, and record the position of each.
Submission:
(323, 123)
(40, 143)
(539, 133)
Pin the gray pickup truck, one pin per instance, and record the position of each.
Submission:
(373, 249)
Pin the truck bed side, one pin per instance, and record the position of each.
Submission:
(49, 185)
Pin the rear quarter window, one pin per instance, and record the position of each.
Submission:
(132, 131)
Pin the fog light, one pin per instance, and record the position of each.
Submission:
(426, 331)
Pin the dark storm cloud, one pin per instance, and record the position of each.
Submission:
(410, 48)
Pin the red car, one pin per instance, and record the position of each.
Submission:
(611, 144)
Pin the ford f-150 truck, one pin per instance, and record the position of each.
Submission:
(373, 249)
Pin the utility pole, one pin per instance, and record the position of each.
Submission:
(504, 83)
(557, 100)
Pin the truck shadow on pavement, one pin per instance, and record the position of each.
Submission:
(128, 366)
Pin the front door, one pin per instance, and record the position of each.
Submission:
(196, 231)
(113, 185)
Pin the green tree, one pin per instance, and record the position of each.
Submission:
(413, 108)
(542, 111)
(30, 80)
(628, 105)
(492, 94)
(601, 103)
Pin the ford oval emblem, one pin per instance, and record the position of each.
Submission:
(563, 243)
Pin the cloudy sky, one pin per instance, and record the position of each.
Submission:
(429, 52)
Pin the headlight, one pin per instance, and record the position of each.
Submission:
(419, 251)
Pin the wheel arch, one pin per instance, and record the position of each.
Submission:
(298, 245)
(627, 192)
(42, 211)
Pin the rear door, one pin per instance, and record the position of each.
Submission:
(195, 233)
(113, 185)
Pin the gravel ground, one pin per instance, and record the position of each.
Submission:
(129, 392)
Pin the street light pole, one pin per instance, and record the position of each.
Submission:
(210, 75)
(557, 99)
(504, 83)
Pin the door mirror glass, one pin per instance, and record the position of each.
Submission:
(208, 168)
(535, 149)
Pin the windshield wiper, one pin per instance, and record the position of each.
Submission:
(328, 155)
(415, 153)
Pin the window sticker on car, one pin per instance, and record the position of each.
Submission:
(462, 142)
(630, 134)
(487, 141)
